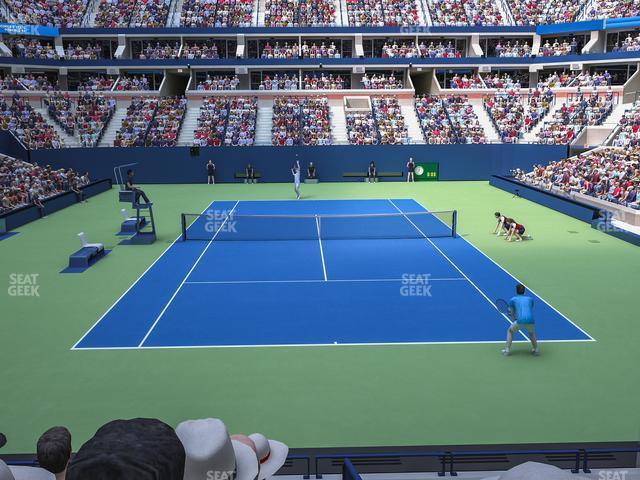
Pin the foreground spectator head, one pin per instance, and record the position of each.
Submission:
(54, 450)
(271, 454)
(211, 453)
(137, 449)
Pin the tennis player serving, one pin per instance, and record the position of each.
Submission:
(520, 309)
(295, 171)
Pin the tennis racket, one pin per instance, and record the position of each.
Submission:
(503, 307)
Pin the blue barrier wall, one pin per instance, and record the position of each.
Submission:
(9, 145)
(560, 204)
(176, 165)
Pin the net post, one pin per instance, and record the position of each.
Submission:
(183, 222)
(454, 223)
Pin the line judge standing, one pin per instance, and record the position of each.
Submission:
(211, 172)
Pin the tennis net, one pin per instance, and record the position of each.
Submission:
(229, 226)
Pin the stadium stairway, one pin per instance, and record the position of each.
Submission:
(69, 140)
(174, 21)
(114, 125)
(259, 6)
(92, 13)
(416, 135)
(487, 125)
(338, 123)
(189, 125)
(264, 122)
(532, 135)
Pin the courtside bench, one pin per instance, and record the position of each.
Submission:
(85, 257)
(243, 176)
(379, 175)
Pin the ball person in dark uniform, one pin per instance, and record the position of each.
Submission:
(211, 171)
(411, 166)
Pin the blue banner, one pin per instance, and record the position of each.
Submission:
(33, 30)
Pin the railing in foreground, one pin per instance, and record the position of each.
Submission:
(446, 459)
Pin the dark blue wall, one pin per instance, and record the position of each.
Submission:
(176, 165)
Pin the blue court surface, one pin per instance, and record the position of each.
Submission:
(318, 277)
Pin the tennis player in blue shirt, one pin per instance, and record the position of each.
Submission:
(521, 310)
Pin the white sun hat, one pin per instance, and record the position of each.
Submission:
(211, 454)
(271, 455)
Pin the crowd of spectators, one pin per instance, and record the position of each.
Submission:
(381, 13)
(464, 120)
(219, 82)
(465, 81)
(381, 81)
(595, 79)
(279, 81)
(323, 81)
(302, 13)
(53, 13)
(23, 183)
(167, 121)
(92, 113)
(629, 132)
(285, 129)
(411, 50)
(133, 83)
(515, 50)
(285, 51)
(96, 83)
(503, 81)
(28, 125)
(361, 128)
(319, 51)
(36, 82)
(513, 114)
(25, 47)
(533, 12)
(573, 116)
(390, 121)
(132, 13)
(611, 174)
(228, 121)
(83, 50)
(613, 9)
(461, 13)
(559, 48)
(555, 80)
(629, 44)
(207, 49)
(160, 50)
(301, 121)
(9, 82)
(434, 120)
(216, 13)
(133, 131)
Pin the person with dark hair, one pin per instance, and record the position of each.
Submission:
(311, 171)
(211, 170)
(137, 192)
(504, 224)
(295, 171)
(372, 173)
(250, 174)
(521, 311)
(54, 451)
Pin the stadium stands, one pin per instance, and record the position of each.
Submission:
(31, 48)
(381, 82)
(629, 132)
(464, 119)
(132, 13)
(513, 115)
(380, 13)
(23, 183)
(211, 13)
(573, 116)
(283, 81)
(323, 82)
(219, 82)
(411, 50)
(462, 13)
(610, 174)
(305, 13)
(29, 126)
(58, 13)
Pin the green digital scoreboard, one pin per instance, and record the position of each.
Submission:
(426, 172)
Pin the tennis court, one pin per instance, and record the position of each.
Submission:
(322, 272)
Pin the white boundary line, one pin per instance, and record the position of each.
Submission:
(456, 266)
(336, 280)
(74, 347)
(324, 266)
(193, 267)
(298, 345)
(591, 339)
